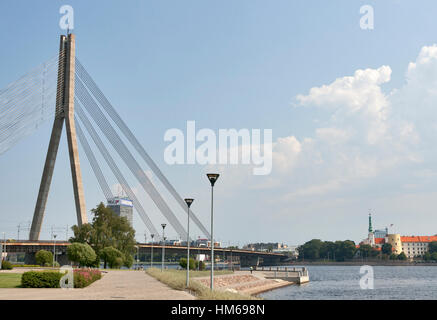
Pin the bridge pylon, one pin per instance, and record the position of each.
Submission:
(64, 112)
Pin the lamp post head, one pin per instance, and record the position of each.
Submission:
(152, 235)
(189, 202)
(54, 236)
(163, 226)
(212, 177)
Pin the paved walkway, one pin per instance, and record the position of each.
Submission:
(114, 285)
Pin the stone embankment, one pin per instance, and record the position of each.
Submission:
(245, 282)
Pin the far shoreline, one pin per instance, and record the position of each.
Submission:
(357, 263)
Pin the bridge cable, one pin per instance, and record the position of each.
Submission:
(93, 162)
(100, 97)
(104, 125)
(114, 168)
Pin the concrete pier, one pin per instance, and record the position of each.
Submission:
(296, 275)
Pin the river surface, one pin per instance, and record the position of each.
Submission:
(343, 282)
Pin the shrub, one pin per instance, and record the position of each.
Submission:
(6, 265)
(41, 279)
(402, 256)
(51, 264)
(84, 277)
(43, 256)
(202, 265)
(193, 263)
(82, 254)
(128, 260)
(26, 265)
(113, 257)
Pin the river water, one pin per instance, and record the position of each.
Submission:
(343, 282)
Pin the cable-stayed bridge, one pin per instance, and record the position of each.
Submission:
(62, 90)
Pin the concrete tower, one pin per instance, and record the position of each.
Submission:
(64, 111)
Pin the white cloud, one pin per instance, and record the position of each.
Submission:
(367, 134)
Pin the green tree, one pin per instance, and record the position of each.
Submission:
(427, 256)
(387, 248)
(44, 257)
(128, 260)
(434, 256)
(327, 250)
(113, 257)
(83, 234)
(107, 230)
(402, 256)
(345, 250)
(193, 263)
(81, 253)
(367, 251)
(432, 247)
(310, 250)
(393, 256)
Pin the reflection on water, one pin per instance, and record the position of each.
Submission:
(343, 282)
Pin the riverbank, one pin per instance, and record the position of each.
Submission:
(360, 263)
(244, 282)
(238, 285)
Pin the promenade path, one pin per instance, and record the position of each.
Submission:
(114, 285)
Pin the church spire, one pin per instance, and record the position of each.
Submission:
(370, 223)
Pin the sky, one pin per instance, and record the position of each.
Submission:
(352, 111)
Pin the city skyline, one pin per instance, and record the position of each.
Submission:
(351, 111)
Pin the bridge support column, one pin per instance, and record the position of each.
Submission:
(64, 111)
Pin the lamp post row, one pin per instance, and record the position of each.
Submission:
(212, 177)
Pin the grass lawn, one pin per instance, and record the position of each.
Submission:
(10, 280)
(176, 279)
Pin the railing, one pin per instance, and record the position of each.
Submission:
(285, 272)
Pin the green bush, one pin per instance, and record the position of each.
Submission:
(43, 256)
(82, 254)
(41, 279)
(26, 265)
(113, 257)
(128, 260)
(202, 265)
(402, 256)
(6, 265)
(51, 264)
(193, 263)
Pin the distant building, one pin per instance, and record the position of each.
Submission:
(411, 246)
(271, 246)
(370, 236)
(203, 242)
(122, 207)
(416, 245)
(381, 233)
(173, 242)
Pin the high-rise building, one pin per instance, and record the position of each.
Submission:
(122, 207)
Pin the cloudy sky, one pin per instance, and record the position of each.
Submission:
(352, 111)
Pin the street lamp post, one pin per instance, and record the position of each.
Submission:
(54, 249)
(151, 256)
(212, 177)
(188, 202)
(163, 246)
(138, 257)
